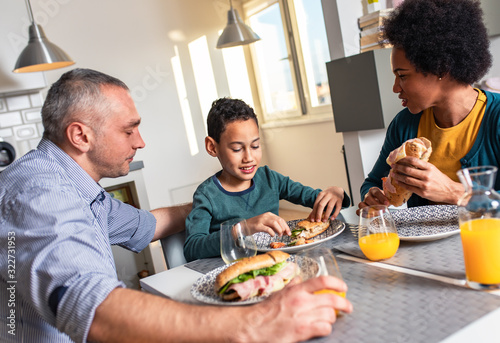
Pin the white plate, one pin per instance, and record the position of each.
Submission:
(203, 289)
(263, 239)
(426, 223)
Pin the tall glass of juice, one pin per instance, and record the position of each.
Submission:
(479, 219)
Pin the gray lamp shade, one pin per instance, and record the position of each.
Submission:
(236, 32)
(41, 54)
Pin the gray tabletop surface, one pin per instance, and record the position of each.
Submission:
(396, 307)
(441, 257)
(390, 306)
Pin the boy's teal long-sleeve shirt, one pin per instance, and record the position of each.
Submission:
(213, 205)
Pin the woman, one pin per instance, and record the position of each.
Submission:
(441, 48)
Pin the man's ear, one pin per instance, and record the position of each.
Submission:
(79, 136)
(211, 146)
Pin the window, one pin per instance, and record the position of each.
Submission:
(289, 60)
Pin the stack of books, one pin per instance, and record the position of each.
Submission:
(371, 26)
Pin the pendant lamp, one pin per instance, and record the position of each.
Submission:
(40, 54)
(236, 31)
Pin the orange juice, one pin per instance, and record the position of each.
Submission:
(481, 244)
(379, 246)
(323, 291)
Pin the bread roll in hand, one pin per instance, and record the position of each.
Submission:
(416, 147)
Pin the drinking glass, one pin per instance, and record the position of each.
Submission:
(316, 262)
(479, 219)
(377, 234)
(236, 241)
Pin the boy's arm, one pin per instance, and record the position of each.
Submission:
(200, 243)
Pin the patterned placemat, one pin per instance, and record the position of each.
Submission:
(396, 307)
(205, 265)
(442, 257)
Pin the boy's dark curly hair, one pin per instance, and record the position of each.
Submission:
(225, 111)
(442, 37)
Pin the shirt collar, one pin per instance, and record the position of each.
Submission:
(86, 186)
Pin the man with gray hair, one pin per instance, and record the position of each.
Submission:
(61, 223)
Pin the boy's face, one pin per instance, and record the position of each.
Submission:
(239, 154)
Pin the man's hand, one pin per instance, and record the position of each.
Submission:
(327, 205)
(270, 223)
(302, 313)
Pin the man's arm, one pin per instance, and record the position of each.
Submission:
(294, 314)
(170, 220)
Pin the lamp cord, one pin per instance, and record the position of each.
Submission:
(30, 12)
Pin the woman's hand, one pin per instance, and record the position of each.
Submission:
(425, 180)
(327, 201)
(270, 223)
(375, 196)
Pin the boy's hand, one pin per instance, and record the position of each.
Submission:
(270, 223)
(327, 205)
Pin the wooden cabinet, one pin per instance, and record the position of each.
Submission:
(14, 24)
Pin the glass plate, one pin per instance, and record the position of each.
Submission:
(263, 239)
(426, 223)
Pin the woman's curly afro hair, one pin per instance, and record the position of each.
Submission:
(442, 37)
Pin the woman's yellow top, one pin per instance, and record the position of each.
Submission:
(451, 144)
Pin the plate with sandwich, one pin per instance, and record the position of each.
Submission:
(426, 223)
(248, 281)
(305, 234)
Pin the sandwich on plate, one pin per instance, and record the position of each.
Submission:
(255, 276)
(305, 230)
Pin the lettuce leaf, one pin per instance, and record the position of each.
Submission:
(268, 271)
(297, 231)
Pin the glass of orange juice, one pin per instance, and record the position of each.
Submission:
(316, 262)
(481, 245)
(479, 219)
(377, 234)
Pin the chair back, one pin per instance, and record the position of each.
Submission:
(173, 249)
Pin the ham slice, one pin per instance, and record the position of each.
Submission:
(264, 285)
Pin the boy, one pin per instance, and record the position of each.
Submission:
(241, 188)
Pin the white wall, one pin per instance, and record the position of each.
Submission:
(134, 41)
(308, 153)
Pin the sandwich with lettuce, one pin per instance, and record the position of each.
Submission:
(255, 276)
